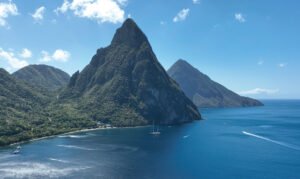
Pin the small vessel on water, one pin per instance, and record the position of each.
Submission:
(17, 150)
(155, 131)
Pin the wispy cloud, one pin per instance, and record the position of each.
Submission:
(58, 55)
(239, 17)
(45, 57)
(182, 15)
(100, 10)
(196, 1)
(257, 91)
(54, 21)
(282, 65)
(6, 10)
(12, 60)
(26, 53)
(38, 15)
(260, 62)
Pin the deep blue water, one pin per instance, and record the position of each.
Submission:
(259, 142)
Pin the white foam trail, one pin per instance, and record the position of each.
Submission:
(186, 136)
(75, 147)
(77, 136)
(58, 160)
(265, 126)
(273, 141)
(73, 136)
(35, 170)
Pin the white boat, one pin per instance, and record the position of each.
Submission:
(155, 131)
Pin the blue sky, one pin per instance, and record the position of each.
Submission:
(251, 47)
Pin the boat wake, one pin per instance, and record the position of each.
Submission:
(272, 141)
(36, 170)
(58, 160)
(75, 147)
(186, 136)
(73, 136)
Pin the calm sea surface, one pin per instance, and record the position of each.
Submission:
(259, 142)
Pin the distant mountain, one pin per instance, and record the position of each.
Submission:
(43, 76)
(125, 85)
(203, 91)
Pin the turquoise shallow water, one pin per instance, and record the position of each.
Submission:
(259, 142)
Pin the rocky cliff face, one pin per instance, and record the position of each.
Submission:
(43, 76)
(124, 84)
(203, 91)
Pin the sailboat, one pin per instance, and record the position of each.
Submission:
(155, 131)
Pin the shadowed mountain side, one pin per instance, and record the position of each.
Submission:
(203, 91)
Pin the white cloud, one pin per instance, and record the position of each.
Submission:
(239, 17)
(38, 15)
(260, 62)
(26, 53)
(122, 2)
(99, 10)
(13, 61)
(196, 1)
(63, 8)
(162, 22)
(282, 65)
(182, 15)
(61, 55)
(6, 10)
(58, 55)
(257, 91)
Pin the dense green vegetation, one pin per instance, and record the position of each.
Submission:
(124, 85)
(43, 76)
(28, 112)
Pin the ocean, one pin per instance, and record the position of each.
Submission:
(241, 143)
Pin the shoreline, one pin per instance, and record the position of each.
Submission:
(71, 132)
